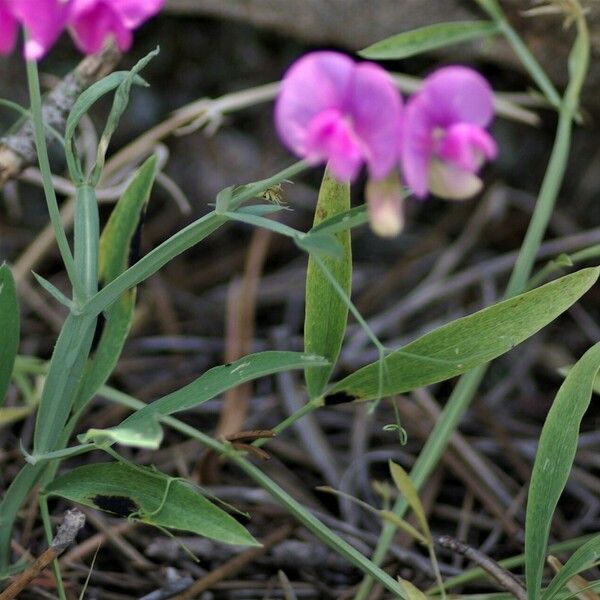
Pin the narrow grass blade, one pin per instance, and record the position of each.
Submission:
(553, 462)
(326, 314)
(582, 559)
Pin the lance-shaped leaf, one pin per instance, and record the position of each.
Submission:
(553, 462)
(120, 235)
(142, 429)
(151, 497)
(428, 38)
(465, 343)
(326, 313)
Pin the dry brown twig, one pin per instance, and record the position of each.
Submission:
(503, 577)
(17, 151)
(74, 520)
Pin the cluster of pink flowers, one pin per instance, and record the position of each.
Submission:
(332, 109)
(90, 22)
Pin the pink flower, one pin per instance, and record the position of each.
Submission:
(44, 21)
(93, 21)
(332, 109)
(444, 141)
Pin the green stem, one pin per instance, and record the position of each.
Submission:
(564, 260)
(492, 8)
(465, 390)
(87, 236)
(44, 163)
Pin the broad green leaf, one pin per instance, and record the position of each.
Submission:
(9, 328)
(142, 428)
(407, 489)
(115, 247)
(151, 497)
(553, 462)
(583, 558)
(326, 314)
(465, 343)
(428, 38)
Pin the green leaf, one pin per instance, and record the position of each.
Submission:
(62, 382)
(53, 290)
(553, 461)
(428, 38)
(81, 106)
(142, 428)
(151, 497)
(407, 489)
(9, 328)
(115, 248)
(148, 265)
(120, 102)
(467, 342)
(325, 246)
(583, 558)
(261, 210)
(349, 219)
(326, 313)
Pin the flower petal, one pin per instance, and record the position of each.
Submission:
(375, 107)
(417, 146)
(467, 146)
(385, 202)
(93, 23)
(44, 21)
(458, 94)
(315, 83)
(451, 183)
(8, 29)
(134, 12)
(331, 137)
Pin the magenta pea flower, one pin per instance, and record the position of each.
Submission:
(332, 109)
(44, 21)
(444, 140)
(93, 21)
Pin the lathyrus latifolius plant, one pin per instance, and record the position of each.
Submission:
(329, 109)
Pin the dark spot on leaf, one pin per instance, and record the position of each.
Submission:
(121, 506)
(339, 398)
(321, 213)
